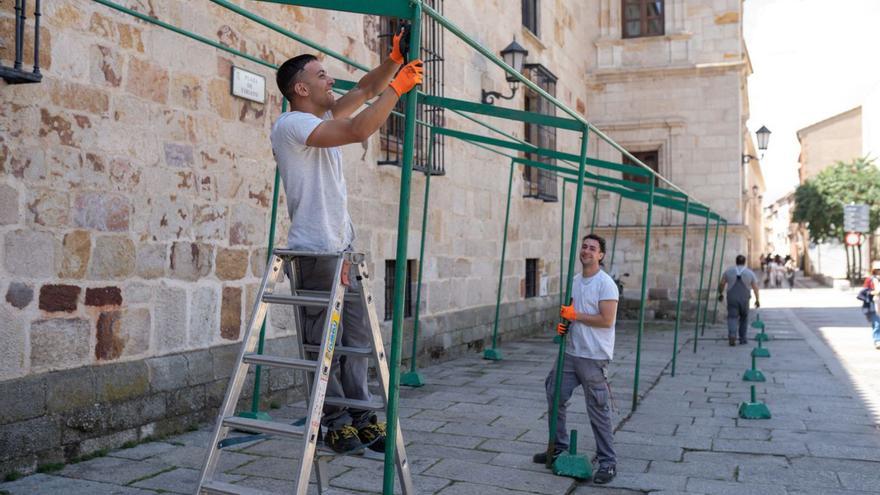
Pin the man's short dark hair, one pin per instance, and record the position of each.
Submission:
(286, 75)
(596, 238)
(740, 259)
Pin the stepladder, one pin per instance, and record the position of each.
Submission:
(325, 303)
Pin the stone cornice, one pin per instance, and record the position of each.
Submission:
(633, 74)
(641, 124)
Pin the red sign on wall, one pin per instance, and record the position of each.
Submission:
(853, 239)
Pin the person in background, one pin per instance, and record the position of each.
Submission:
(738, 280)
(872, 286)
(790, 271)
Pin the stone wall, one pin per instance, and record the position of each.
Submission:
(135, 193)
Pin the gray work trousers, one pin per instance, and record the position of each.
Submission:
(591, 374)
(348, 374)
(738, 310)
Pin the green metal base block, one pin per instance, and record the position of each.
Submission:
(754, 376)
(761, 352)
(754, 410)
(572, 466)
(492, 354)
(412, 379)
(762, 337)
(254, 415)
(757, 324)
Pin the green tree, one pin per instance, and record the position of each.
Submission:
(819, 201)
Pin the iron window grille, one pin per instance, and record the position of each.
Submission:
(16, 74)
(539, 183)
(649, 158)
(642, 18)
(390, 267)
(531, 277)
(530, 10)
(391, 133)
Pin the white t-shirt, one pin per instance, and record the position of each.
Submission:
(317, 200)
(586, 341)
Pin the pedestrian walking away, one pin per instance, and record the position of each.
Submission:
(790, 271)
(590, 318)
(868, 296)
(738, 280)
(305, 142)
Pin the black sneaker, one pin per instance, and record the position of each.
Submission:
(604, 475)
(731, 341)
(541, 457)
(743, 341)
(344, 440)
(373, 435)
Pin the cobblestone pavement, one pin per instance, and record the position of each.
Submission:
(474, 427)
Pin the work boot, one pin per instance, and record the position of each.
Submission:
(731, 341)
(373, 435)
(344, 440)
(541, 457)
(604, 475)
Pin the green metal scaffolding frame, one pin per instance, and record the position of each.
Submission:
(670, 197)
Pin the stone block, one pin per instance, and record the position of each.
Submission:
(75, 252)
(106, 66)
(112, 258)
(151, 83)
(59, 343)
(170, 318)
(210, 221)
(137, 293)
(199, 367)
(121, 381)
(186, 400)
(10, 212)
(103, 296)
(106, 442)
(223, 360)
(191, 261)
(29, 436)
(247, 226)
(179, 155)
(151, 260)
(29, 253)
(122, 333)
(167, 372)
(19, 294)
(203, 316)
(230, 313)
(48, 207)
(258, 261)
(58, 297)
(13, 342)
(22, 399)
(70, 390)
(136, 412)
(231, 264)
(102, 211)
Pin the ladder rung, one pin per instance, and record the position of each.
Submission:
(341, 349)
(290, 253)
(281, 362)
(349, 295)
(221, 488)
(354, 404)
(297, 300)
(257, 426)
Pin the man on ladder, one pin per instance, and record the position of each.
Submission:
(305, 142)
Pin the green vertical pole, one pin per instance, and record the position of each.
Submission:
(720, 272)
(700, 290)
(635, 399)
(562, 245)
(709, 285)
(684, 233)
(595, 209)
(255, 400)
(493, 354)
(572, 255)
(400, 266)
(616, 225)
(413, 378)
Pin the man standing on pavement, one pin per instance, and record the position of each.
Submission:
(305, 142)
(872, 284)
(591, 316)
(738, 279)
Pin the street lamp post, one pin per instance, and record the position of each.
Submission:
(514, 55)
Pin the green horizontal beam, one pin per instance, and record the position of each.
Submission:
(390, 8)
(669, 203)
(501, 112)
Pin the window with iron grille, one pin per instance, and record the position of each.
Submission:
(407, 291)
(642, 18)
(531, 277)
(427, 155)
(530, 15)
(540, 183)
(649, 158)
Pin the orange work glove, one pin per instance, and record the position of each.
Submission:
(396, 54)
(562, 328)
(568, 312)
(409, 75)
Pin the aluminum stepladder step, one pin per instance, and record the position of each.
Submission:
(284, 260)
